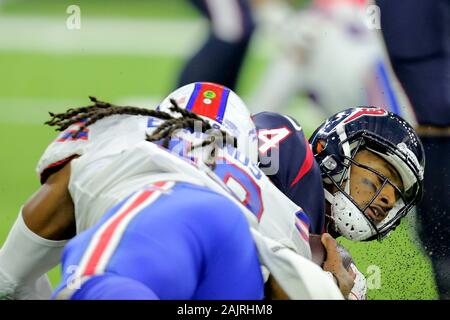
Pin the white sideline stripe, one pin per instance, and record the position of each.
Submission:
(101, 35)
(35, 110)
(106, 36)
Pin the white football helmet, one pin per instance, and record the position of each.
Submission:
(222, 108)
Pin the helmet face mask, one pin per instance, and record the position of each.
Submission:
(335, 145)
(350, 216)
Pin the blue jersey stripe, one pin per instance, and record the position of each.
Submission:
(383, 77)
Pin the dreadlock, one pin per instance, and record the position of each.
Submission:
(88, 115)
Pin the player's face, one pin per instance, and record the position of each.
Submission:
(365, 184)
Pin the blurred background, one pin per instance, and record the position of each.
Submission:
(131, 52)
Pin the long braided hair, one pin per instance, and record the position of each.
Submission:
(88, 115)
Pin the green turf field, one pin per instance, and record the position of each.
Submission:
(34, 82)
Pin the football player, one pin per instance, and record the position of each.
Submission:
(220, 57)
(119, 173)
(358, 145)
(276, 226)
(331, 53)
(364, 168)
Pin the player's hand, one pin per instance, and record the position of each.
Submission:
(345, 278)
(359, 290)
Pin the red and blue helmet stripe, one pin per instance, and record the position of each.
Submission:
(209, 100)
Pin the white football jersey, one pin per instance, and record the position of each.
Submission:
(113, 160)
(95, 149)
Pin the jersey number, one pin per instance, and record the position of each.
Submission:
(243, 186)
(270, 138)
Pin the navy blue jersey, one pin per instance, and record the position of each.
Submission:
(220, 57)
(241, 15)
(423, 67)
(286, 158)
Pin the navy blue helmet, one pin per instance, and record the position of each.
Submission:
(335, 144)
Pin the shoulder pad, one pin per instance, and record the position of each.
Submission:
(61, 150)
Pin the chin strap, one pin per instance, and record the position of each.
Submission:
(340, 130)
(328, 196)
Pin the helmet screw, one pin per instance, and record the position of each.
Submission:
(329, 163)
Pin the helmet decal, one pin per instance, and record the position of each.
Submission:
(360, 112)
(222, 108)
(209, 100)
